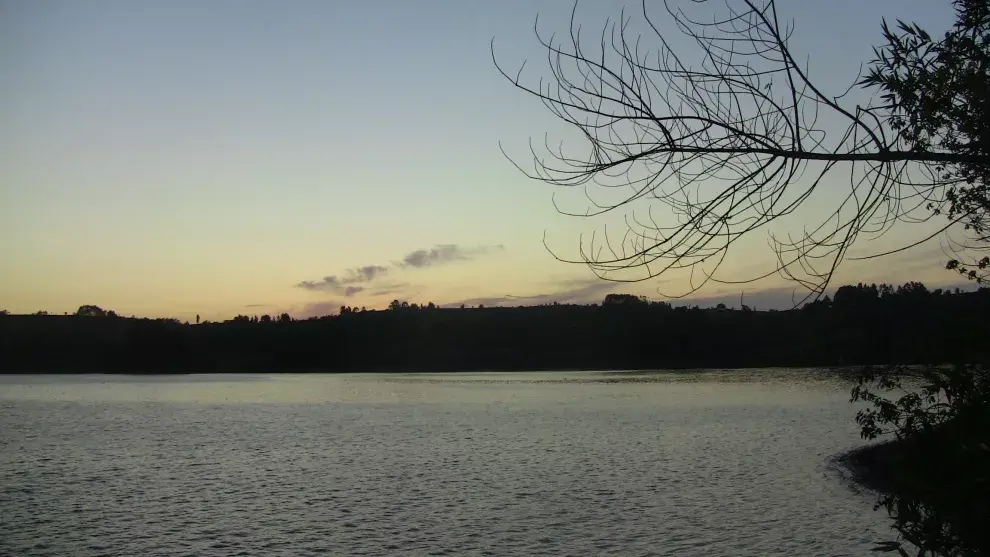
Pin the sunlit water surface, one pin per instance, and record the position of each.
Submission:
(708, 463)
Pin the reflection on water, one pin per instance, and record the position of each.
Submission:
(549, 463)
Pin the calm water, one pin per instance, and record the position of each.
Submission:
(711, 463)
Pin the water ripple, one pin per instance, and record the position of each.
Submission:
(716, 468)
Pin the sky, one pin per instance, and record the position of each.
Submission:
(213, 158)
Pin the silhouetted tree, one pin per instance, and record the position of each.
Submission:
(623, 299)
(936, 474)
(91, 311)
(935, 93)
(734, 143)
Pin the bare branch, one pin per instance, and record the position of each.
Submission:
(726, 141)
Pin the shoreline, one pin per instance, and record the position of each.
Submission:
(871, 466)
(831, 370)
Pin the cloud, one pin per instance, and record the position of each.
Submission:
(785, 298)
(367, 273)
(356, 280)
(316, 309)
(575, 291)
(590, 291)
(391, 289)
(444, 253)
(771, 298)
(258, 305)
(347, 284)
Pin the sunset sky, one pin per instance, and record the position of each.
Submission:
(219, 157)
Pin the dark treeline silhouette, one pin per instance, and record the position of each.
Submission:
(863, 324)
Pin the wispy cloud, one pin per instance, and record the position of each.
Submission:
(367, 273)
(574, 291)
(391, 289)
(347, 284)
(359, 279)
(771, 298)
(786, 298)
(445, 253)
(316, 309)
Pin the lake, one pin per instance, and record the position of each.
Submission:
(565, 463)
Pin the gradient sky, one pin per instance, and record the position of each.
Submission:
(183, 157)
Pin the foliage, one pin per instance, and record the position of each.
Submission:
(935, 92)
(938, 489)
(936, 95)
(91, 311)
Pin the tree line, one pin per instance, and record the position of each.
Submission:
(861, 324)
